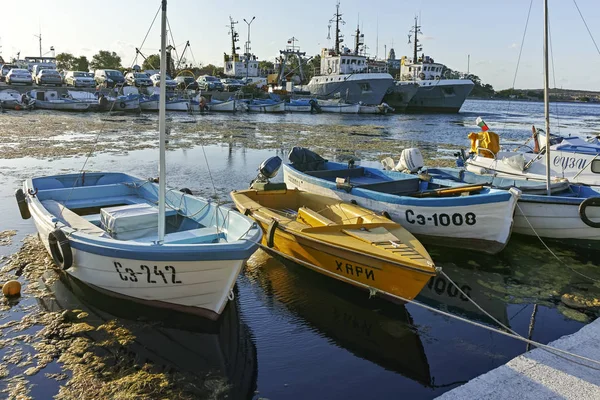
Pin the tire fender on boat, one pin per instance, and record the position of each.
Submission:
(594, 202)
(60, 249)
(122, 104)
(271, 233)
(22, 203)
(185, 190)
(386, 214)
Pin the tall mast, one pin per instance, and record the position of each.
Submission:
(234, 36)
(357, 41)
(337, 18)
(546, 98)
(162, 125)
(416, 30)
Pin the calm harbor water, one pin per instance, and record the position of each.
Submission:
(294, 334)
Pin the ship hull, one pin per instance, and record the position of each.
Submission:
(440, 96)
(366, 88)
(400, 94)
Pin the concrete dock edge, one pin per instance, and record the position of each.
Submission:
(538, 374)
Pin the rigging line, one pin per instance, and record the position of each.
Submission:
(148, 32)
(172, 39)
(372, 291)
(551, 252)
(586, 26)
(518, 61)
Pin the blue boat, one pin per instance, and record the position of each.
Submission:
(570, 214)
(438, 211)
(136, 239)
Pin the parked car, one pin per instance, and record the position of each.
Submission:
(186, 82)
(5, 70)
(138, 79)
(170, 82)
(35, 70)
(19, 75)
(207, 82)
(231, 85)
(79, 79)
(109, 77)
(49, 77)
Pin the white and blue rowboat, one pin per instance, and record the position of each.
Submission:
(301, 105)
(440, 212)
(267, 106)
(124, 103)
(50, 100)
(101, 228)
(570, 214)
(340, 108)
(224, 106)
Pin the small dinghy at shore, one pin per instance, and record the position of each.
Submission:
(13, 100)
(338, 239)
(223, 106)
(437, 211)
(266, 106)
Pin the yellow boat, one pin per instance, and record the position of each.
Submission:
(338, 239)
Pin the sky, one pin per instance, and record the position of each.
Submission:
(490, 31)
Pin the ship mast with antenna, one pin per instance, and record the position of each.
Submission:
(337, 18)
(234, 37)
(416, 30)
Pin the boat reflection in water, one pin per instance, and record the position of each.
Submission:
(169, 340)
(373, 329)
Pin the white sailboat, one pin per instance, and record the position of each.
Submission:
(113, 232)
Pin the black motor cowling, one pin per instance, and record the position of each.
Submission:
(304, 159)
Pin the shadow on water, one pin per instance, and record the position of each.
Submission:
(372, 329)
(192, 347)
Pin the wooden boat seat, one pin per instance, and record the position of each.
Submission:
(312, 218)
(73, 220)
(334, 173)
(191, 236)
(399, 187)
(81, 192)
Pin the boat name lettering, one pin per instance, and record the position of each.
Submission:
(440, 286)
(354, 270)
(442, 219)
(569, 162)
(293, 180)
(128, 274)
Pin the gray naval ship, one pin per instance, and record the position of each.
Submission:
(347, 75)
(435, 94)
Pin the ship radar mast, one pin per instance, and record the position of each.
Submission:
(416, 30)
(359, 41)
(235, 37)
(337, 18)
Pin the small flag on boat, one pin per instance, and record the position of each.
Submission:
(481, 123)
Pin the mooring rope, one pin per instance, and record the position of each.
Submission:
(372, 291)
(551, 252)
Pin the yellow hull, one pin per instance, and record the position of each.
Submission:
(398, 265)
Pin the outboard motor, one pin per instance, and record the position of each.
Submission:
(314, 106)
(268, 169)
(410, 160)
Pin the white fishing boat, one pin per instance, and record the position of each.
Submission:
(113, 232)
(267, 107)
(226, 106)
(437, 211)
(50, 100)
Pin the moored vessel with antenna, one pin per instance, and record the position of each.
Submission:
(135, 239)
(435, 93)
(345, 74)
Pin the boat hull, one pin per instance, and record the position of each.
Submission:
(341, 108)
(267, 108)
(480, 225)
(297, 108)
(440, 96)
(400, 94)
(225, 106)
(556, 218)
(62, 106)
(368, 88)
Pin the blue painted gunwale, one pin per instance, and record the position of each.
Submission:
(107, 247)
(485, 196)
